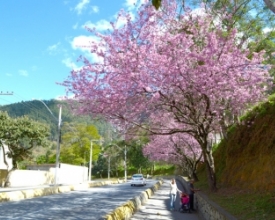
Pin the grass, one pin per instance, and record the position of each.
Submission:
(244, 165)
(245, 205)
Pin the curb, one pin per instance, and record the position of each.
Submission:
(32, 193)
(126, 210)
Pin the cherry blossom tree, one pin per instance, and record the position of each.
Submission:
(179, 149)
(176, 73)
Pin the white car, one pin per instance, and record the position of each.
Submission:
(138, 179)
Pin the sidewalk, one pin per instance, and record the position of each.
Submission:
(157, 207)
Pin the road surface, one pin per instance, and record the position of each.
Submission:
(89, 204)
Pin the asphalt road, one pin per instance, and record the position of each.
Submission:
(83, 204)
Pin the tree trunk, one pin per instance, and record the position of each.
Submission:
(6, 181)
(195, 177)
(210, 169)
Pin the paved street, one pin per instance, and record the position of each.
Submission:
(85, 204)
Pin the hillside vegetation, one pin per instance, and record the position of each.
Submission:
(246, 158)
(37, 111)
(245, 166)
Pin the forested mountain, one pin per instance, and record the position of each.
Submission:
(37, 111)
(48, 114)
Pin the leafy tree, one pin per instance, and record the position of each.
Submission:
(114, 157)
(269, 4)
(20, 135)
(177, 73)
(101, 166)
(136, 156)
(76, 144)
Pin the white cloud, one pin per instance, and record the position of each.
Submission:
(134, 4)
(81, 6)
(83, 42)
(267, 29)
(101, 25)
(23, 73)
(53, 49)
(95, 9)
(69, 63)
(130, 4)
(8, 74)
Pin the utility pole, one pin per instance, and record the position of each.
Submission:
(125, 163)
(57, 165)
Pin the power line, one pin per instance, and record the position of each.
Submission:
(6, 93)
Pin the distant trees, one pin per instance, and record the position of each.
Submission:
(76, 144)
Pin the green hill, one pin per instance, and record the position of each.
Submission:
(37, 111)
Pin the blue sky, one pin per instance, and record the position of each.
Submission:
(38, 43)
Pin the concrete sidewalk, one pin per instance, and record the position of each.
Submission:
(157, 206)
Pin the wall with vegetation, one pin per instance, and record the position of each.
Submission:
(206, 208)
(245, 160)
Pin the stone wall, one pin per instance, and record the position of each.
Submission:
(210, 210)
(207, 209)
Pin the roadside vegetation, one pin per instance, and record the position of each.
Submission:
(245, 166)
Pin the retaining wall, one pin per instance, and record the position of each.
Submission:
(207, 209)
(66, 174)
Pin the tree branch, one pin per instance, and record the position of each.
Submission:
(270, 4)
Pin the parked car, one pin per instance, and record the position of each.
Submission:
(138, 179)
